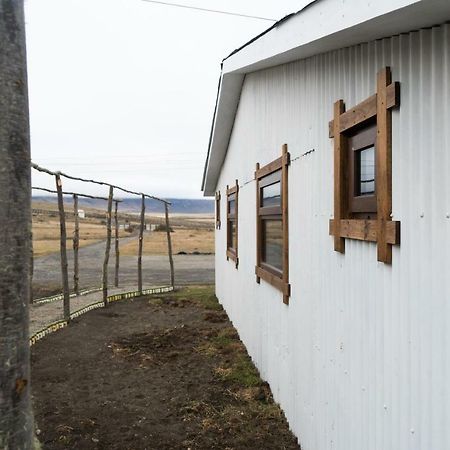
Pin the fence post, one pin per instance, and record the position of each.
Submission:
(169, 245)
(108, 247)
(116, 226)
(76, 245)
(141, 239)
(63, 249)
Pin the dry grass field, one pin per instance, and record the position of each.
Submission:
(183, 240)
(46, 234)
(191, 233)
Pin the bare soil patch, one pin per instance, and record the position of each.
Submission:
(153, 373)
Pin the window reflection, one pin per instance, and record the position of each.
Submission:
(272, 233)
(366, 182)
(271, 195)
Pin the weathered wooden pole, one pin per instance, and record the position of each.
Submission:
(63, 249)
(141, 241)
(31, 263)
(169, 245)
(16, 419)
(76, 245)
(116, 230)
(108, 247)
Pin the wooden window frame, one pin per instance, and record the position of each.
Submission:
(278, 279)
(232, 253)
(383, 229)
(218, 210)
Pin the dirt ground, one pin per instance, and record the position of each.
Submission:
(158, 373)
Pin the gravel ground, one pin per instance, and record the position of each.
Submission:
(189, 269)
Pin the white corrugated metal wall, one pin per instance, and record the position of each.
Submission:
(360, 359)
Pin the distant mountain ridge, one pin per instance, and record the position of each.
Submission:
(133, 205)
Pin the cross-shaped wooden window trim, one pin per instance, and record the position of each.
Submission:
(232, 253)
(282, 284)
(383, 230)
(218, 210)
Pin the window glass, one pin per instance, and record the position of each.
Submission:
(366, 163)
(272, 234)
(232, 236)
(231, 206)
(271, 195)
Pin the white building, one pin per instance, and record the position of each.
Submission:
(348, 323)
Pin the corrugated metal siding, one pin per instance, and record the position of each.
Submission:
(360, 358)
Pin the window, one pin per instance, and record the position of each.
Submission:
(272, 258)
(232, 223)
(363, 170)
(218, 210)
(361, 176)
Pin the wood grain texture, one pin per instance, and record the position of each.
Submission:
(169, 247)
(367, 230)
(116, 245)
(237, 223)
(258, 223)
(273, 280)
(107, 248)
(285, 215)
(76, 246)
(141, 241)
(62, 249)
(340, 176)
(16, 417)
(384, 165)
(366, 110)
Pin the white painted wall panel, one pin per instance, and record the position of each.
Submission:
(360, 358)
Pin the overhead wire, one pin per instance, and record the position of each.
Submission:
(177, 5)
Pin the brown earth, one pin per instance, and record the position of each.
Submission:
(153, 373)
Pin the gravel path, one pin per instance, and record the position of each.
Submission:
(189, 269)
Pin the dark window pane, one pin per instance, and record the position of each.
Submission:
(366, 182)
(272, 240)
(232, 236)
(271, 195)
(231, 206)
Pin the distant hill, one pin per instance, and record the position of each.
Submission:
(133, 205)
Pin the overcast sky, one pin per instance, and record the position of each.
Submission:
(124, 90)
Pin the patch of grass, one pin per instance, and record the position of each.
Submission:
(202, 296)
(242, 372)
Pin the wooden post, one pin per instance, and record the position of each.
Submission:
(383, 165)
(285, 212)
(31, 262)
(141, 239)
(258, 225)
(340, 177)
(76, 245)
(107, 248)
(169, 245)
(63, 249)
(116, 230)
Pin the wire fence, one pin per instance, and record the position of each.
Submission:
(106, 231)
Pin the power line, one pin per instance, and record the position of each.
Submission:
(177, 5)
